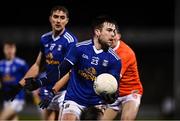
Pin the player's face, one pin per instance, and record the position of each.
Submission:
(9, 51)
(58, 21)
(117, 37)
(106, 35)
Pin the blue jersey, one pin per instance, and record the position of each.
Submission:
(54, 50)
(88, 63)
(11, 72)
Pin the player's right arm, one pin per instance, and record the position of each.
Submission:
(34, 70)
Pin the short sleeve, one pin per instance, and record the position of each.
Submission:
(72, 55)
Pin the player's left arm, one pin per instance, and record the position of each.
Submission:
(59, 84)
(64, 68)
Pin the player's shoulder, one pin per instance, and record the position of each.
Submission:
(126, 48)
(47, 34)
(84, 43)
(20, 61)
(2, 62)
(69, 33)
(113, 54)
(45, 37)
(70, 37)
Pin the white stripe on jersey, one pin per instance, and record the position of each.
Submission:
(86, 42)
(68, 37)
(46, 34)
(19, 61)
(113, 53)
(69, 61)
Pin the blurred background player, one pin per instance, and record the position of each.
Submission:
(130, 87)
(54, 47)
(12, 69)
(87, 60)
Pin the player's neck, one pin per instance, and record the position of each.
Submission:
(97, 44)
(116, 45)
(10, 58)
(57, 33)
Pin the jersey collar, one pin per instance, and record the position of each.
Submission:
(9, 62)
(97, 51)
(56, 38)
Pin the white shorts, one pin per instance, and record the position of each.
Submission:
(73, 107)
(16, 105)
(121, 100)
(57, 101)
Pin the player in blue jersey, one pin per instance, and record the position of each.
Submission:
(12, 69)
(87, 60)
(54, 47)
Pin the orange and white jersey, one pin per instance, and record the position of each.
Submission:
(130, 81)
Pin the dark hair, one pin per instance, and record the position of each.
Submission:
(91, 113)
(8, 42)
(60, 8)
(117, 29)
(100, 20)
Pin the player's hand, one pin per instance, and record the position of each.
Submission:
(32, 83)
(108, 98)
(14, 90)
(47, 96)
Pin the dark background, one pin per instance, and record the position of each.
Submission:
(149, 13)
(146, 26)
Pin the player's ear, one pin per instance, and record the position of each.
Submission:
(97, 32)
(119, 36)
(67, 20)
(50, 19)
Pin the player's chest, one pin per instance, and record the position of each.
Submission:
(12, 69)
(94, 60)
(90, 65)
(55, 49)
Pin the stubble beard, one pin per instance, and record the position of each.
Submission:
(104, 46)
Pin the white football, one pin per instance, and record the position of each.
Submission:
(105, 83)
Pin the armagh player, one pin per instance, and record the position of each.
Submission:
(130, 90)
